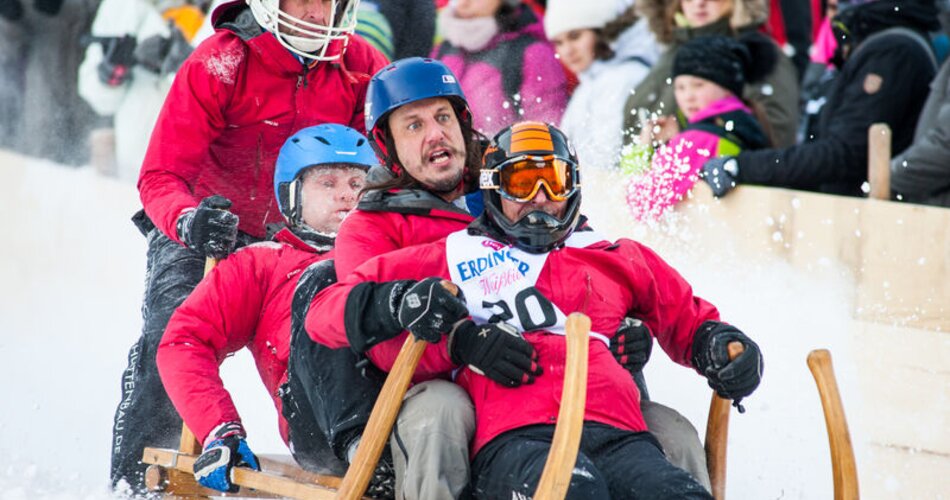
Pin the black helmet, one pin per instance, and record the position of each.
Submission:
(521, 160)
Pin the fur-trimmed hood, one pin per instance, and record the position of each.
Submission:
(660, 15)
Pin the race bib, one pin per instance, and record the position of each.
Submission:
(498, 281)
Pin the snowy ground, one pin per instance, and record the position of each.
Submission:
(71, 270)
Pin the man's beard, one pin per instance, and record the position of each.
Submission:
(446, 185)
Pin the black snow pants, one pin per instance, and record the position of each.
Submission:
(611, 463)
(327, 398)
(145, 416)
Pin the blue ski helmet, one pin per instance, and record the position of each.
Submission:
(328, 144)
(405, 81)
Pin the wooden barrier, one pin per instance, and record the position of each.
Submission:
(896, 252)
(879, 161)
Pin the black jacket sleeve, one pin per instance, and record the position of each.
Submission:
(370, 313)
(884, 81)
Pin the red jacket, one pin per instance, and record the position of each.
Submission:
(234, 102)
(381, 224)
(244, 302)
(605, 281)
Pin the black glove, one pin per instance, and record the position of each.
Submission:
(495, 350)
(163, 55)
(227, 450)
(721, 173)
(428, 309)
(632, 344)
(210, 229)
(11, 10)
(117, 60)
(733, 379)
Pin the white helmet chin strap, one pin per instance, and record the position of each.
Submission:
(304, 38)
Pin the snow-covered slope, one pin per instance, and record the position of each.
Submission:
(71, 279)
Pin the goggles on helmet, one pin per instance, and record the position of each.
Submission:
(520, 178)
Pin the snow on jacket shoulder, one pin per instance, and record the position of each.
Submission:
(640, 283)
(234, 102)
(244, 302)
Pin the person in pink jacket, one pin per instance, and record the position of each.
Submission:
(504, 63)
(245, 302)
(708, 76)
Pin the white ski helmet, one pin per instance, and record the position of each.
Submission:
(304, 38)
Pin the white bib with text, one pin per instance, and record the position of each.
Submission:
(498, 282)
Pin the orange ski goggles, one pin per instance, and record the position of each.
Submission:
(520, 178)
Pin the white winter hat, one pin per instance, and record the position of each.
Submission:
(568, 15)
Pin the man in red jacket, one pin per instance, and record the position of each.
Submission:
(521, 266)
(419, 122)
(271, 68)
(246, 302)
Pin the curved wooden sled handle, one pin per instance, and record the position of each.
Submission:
(842, 453)
(717, 434)
(570, 418)
(384, 416)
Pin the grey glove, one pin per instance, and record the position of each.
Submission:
(721, 174)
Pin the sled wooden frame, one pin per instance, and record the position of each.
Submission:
(170, 471)
(843, 466)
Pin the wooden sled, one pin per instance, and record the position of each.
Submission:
(170, 471)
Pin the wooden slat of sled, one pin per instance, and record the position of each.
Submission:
(559, 467)
(279, 477)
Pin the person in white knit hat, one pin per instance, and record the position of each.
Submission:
(611, 51)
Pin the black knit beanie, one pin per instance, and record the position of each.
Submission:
(726, 61)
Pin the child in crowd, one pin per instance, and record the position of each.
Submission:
(709, 74)
(675, 22)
